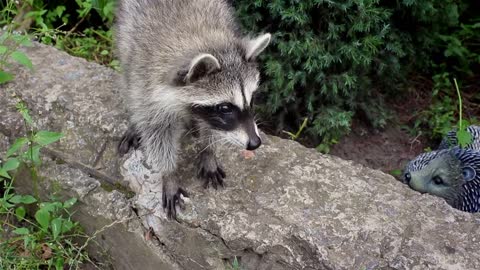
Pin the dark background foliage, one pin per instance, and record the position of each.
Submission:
(335, 60)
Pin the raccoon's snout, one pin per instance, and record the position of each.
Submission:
(254, 143)
(254, 140)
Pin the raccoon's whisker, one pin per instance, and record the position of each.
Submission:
(209, 145)
(261, 123)
(205, 139)
(234, 140)
(191, 131)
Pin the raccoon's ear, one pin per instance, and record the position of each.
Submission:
(200, 66)
(256, 46)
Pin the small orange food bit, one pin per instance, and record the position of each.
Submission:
(246, 154)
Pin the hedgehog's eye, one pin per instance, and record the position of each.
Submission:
(437, 180)
(225, 108)
(408, 177)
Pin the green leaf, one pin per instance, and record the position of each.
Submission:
(17, 145)
(21, 231)
(6, 204)
(20, 213)
(69, 203)
(396, 172)
(43, 218)
(115, 64)
(59, 263)
(11, 164)
(26, 199)
(104, 52)
(16, 199)
(67, 226)
(5, 77)
(464, 138)
(33, 154)
(56, 226)
(50, 206)
(59, 10)
(23, 40)
(22, 59)
(4, 174)
(3, 49)
(22, 108)
(47, 137)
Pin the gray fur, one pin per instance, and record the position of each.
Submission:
(175, 55)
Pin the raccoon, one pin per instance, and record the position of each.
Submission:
(186, 67)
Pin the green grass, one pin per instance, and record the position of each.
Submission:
(33, 234)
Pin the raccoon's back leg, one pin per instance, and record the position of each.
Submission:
(131, 138)
(209, 169)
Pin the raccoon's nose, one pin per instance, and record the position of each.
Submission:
(254, 143)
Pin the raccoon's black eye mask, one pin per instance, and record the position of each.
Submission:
(225, 116)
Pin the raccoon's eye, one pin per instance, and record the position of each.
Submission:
(437, 180)
(225, 108)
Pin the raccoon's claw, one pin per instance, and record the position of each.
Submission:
(130, 139)
(171, 199)
(215, 178)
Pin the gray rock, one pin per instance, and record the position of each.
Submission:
(287, 208)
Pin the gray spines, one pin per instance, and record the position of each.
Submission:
(451, 139)
(422, 160)
(469, 198)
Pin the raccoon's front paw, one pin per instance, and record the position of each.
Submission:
(212, 177)
(131, 139)
(209, 170)
(171, 198)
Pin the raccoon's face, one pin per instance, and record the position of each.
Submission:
(222, 89)
(228, 110)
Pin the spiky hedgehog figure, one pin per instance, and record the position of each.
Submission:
(450, 173)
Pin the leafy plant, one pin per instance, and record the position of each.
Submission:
(9, 44)
(80, 27)
(46, 239)
(463, 136)
(326, 59)
(444, 114)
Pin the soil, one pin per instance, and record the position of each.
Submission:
(388, 150)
